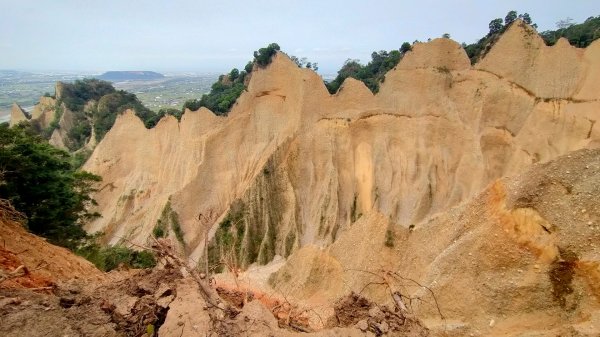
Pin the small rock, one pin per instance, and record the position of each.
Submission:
(383, 327)
(492, 323)
(164, 302)
(362, 325)
(66, 302)
(8, 301)
(375, 312)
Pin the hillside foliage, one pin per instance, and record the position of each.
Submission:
(40, 181)
(371, 74)
(579, 35)
(95, 104)
(107, 258)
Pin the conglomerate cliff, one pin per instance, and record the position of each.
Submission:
(404, 180)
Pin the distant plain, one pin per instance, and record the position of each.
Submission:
(25, 88)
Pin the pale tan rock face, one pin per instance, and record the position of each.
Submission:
(42, 113)
(17, 115)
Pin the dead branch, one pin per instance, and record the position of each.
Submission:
(397, 296)
(395, 274)
(9, 213)
(164, 250)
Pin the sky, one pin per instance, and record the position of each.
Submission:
(217, 35)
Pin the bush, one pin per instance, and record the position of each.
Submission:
(159, 230)
(263, 56)
(109, 258)
(372, 74)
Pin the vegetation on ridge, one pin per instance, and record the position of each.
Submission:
(371, 74)
(225, 92)
(578, 35)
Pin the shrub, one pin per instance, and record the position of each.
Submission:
(109, 258)
(263, 56)
(159, 229)
(371, 74)
(389, 238)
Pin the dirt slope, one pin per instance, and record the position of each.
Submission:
(28, 261)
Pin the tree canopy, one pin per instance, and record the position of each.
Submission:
(40, 181)
(263, 56)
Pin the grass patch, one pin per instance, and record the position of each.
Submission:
(169, 218)
(160, 230)
(228, 239)
(389, 238)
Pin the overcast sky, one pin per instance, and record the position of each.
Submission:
(217, 35)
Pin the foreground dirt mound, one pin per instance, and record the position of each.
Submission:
(124, 303)
(355, 310)
(28, 261)
(163, 303)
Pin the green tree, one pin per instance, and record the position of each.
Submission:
(76, 95)
(510, 18)
(39, 181)
(495, 26)
(405, 47)
(234, 74)
(248, 67)
(263, 55)
(526, 18)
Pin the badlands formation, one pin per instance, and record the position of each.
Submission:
(466, 195)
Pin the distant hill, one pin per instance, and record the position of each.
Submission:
(130, 76)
